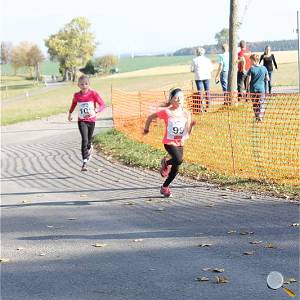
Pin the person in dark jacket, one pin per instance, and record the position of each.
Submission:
(268, 59)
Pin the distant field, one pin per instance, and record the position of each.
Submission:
(128, 64)
(38, 101)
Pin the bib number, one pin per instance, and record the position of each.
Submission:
(176, 129)
(86, 110)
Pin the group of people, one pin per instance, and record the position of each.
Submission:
(203, 67)
(251, 76)
(178, 120)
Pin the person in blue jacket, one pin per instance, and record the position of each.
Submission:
(256, 77)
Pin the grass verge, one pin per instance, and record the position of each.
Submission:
(116, 146)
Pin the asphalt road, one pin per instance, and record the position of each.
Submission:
(52, 215)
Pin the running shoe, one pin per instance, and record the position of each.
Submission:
(84, 167)
(166, 192)
(90, 152)
(164, 168)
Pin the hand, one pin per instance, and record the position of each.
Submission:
(69, 117)
(145, 131)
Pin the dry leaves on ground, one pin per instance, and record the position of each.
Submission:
(203, 278)
(204, 245)
(221, 279)
(99, 245)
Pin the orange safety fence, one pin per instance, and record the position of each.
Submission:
(247, 137)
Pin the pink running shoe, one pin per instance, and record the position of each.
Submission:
(164, 169)
(166, 192)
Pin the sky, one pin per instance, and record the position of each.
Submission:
(147, 27)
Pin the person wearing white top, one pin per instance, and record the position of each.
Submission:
(202, 67)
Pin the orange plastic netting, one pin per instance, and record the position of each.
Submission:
(228, 138)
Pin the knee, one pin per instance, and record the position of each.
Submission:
(85, 141)
(178, 161)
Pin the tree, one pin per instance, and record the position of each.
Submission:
(19, 57)
(72, 46)
(222, 37)
(89, 68)
(27, 55)
(6, 52)
(107, 62)
(233, 55)
(34, 58)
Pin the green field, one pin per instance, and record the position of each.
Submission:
(126, 64)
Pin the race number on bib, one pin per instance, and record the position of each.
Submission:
(86, 110)
(176, 128)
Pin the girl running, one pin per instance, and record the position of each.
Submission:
(86, 100)
(178, 126)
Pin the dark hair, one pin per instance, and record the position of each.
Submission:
(172, 93)
(265, 51)
(242, 44)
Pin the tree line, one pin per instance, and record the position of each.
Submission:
(222, 37)
(73, 47)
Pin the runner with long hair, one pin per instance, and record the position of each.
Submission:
(178, 126)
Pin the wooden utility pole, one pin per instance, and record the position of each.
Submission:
(233, 42)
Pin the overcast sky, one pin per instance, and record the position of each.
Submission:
(148, 26)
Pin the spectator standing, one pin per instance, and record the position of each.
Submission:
(202, 67)
(256, 77)
(268, 59)
(222, 72)
(244, 65)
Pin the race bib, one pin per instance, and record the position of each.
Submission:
(86, 110)
(176, 128)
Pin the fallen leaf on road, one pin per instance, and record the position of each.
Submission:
(42, 254)
(249, 253)
(202, 278)
(160, 209)
(98, 245)
(221, 279)
(206, 269)
(269, 245)
(246, 232)
(20, 248)
(204, 245)
(218, 270)
(4, 260)
(26, 201)
(289, 280)
(255, 242)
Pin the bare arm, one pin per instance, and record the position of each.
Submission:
(248, 82)
(219, 72)
(148, 122)
(243, 63)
